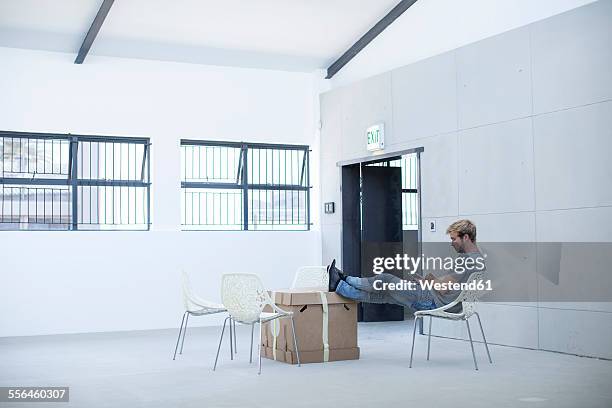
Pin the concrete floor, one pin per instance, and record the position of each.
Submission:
(135, 369)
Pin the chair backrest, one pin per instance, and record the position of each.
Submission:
(187, 293)
(468, 297)
(244, 296)
(311, 277)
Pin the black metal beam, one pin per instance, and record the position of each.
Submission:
(205, 184)
(368, 37)
(93, 30)
(238, 145)
(144, 162)
(277, 187)
(242, 152)
(230, 186)
(245, 190)
(74, 174)
(22, 181)
(69, 136)
(37, 182)
(112, 183)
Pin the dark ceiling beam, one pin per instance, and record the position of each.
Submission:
(397, 11)
(93, 30)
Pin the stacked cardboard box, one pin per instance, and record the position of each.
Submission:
(325, 326)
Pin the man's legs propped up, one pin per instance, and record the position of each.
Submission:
(363, 290)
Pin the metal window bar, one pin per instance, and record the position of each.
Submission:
(244, 186)
(74, 182)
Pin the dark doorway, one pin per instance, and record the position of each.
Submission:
(379, 199)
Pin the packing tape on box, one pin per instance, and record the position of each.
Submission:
(274, 329)
(325, 330)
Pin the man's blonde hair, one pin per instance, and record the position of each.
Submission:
(463, 227)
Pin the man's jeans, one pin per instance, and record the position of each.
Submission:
(362, 290)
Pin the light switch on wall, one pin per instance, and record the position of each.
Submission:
(330, 208)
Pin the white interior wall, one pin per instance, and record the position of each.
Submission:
(432, 27)
(61, 282)
(516, 130)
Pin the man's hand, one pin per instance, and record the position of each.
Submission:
(430, 277)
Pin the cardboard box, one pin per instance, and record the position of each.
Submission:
(290, 357)
(310, 319)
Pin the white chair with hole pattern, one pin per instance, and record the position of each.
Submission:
(244, 297)
(311, 277)
(195, 306)
(467, 299)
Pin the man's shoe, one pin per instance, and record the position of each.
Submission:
(338, 271)
(335, 276)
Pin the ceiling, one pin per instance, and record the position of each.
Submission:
(291, 35)
(298, 35)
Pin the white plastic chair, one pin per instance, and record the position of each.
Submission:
(244, 297)
(311, 277)
(467, 299)
(195, 306)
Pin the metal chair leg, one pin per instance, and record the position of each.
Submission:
(231, 339)
(184, 333)
(416, 319)
(483, 337)
(297, 351)
(471, 343)
(179, 335)
(220, 341)
(259, 342)
(429, 337)
(251, 354)
(235, 343)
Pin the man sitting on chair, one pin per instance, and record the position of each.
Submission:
(463, 239)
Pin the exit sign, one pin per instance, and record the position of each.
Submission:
(376, 137)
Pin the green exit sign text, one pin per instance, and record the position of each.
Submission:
(376, 137)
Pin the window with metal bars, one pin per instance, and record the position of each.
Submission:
(74, 182)
(244, 186)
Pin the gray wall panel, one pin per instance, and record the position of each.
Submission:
(572, 157)
(496, 168)
(425, 98)
(572, 58)
(493, 79)
(575, 332)
(439, 188)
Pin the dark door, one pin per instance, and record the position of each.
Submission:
(351, 220)
(381, 234)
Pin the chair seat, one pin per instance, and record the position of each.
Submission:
(441, 314)
(267, 316)
(446, 315)
(206, 311)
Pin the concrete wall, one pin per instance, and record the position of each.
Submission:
(432, 27)
(517, 130)
(61, 282)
